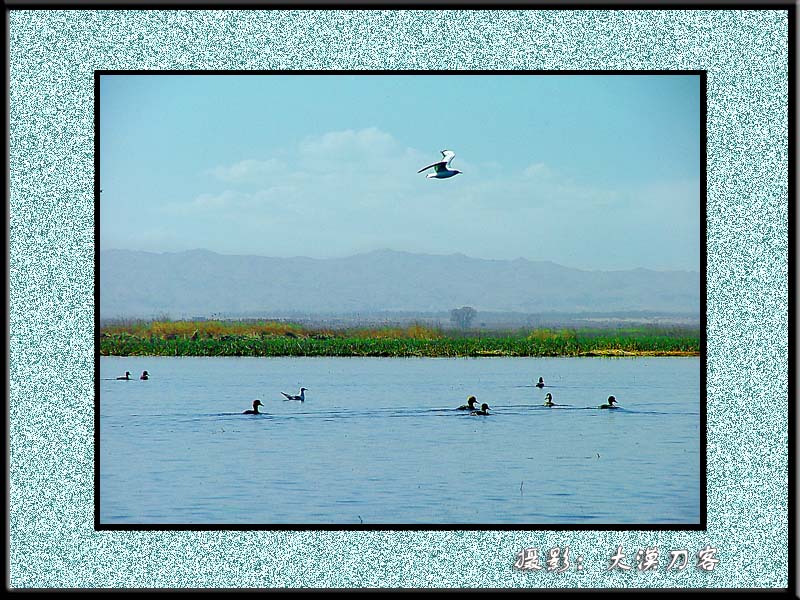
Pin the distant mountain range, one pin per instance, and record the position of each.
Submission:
(202, 283)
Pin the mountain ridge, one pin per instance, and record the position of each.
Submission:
(200, 282)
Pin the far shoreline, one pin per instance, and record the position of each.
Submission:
(269, 338)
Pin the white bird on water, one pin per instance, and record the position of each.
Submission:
(301, 397)
(442, 168)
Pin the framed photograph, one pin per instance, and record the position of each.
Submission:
(337, 255)
(518, 319)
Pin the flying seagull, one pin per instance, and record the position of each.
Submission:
(442, 168)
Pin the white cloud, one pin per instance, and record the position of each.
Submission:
(250, 171)
(537, 171)
(350, 143)
(355, 190)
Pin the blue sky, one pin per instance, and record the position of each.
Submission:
(593, 172)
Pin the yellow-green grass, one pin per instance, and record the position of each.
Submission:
(268, 338)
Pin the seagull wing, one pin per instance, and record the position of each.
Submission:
(448, 156)
(438, 165)
(442, 165)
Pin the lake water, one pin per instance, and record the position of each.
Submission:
(377, 441)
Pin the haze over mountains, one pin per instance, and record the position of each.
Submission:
(136, 284)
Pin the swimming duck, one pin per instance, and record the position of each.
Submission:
(301, 397)
(256, 404)
(470, 405)
(548, 400)
(541, 383)
(610, 404)
(484, 411)
(126, 377)
(145, 375)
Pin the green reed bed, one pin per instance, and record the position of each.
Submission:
(409, 342)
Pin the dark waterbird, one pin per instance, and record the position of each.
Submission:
(483, 412)
(470, 405)
(125, 377)
(548, 400)
(611, 401)
(541, 383)
(145, 375)
(256, 404)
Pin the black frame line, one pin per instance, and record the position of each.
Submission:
(791, 382)
(701, 526)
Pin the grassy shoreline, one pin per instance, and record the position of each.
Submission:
(219, 338)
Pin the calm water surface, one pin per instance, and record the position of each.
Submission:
(377, 441)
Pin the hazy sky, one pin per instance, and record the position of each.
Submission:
(593, 172)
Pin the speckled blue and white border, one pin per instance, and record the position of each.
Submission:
(53, 55)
